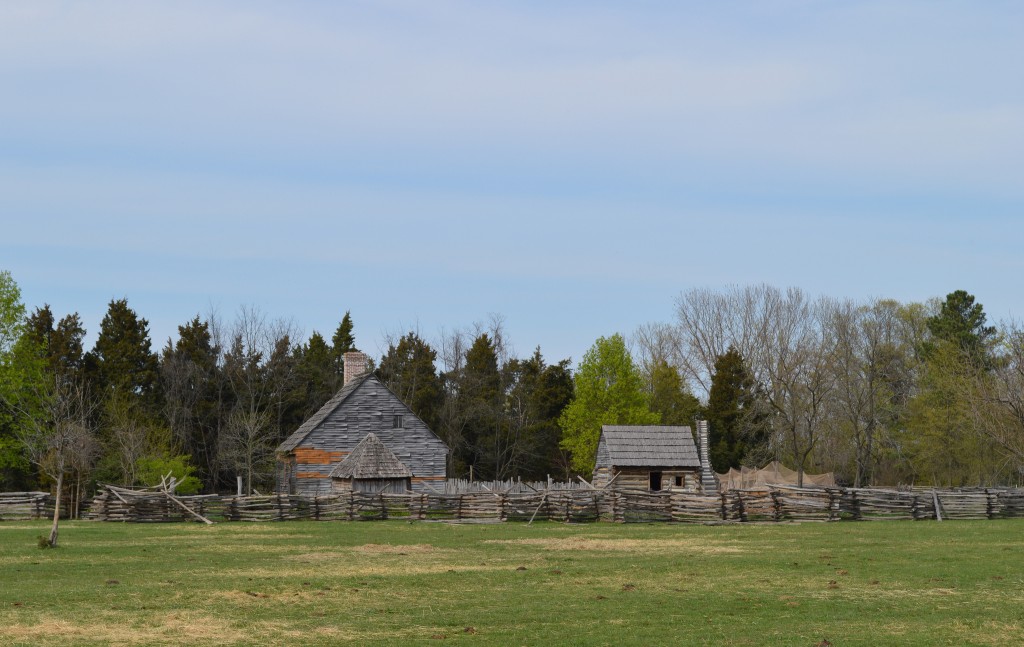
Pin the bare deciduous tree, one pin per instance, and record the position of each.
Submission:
(258, 368)
(57, 433)
(996, 399)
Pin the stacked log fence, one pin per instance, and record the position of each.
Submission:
(765, 505)
(19, 506)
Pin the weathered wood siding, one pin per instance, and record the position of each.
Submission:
(372, 486)
(639, 478)
(371, 407)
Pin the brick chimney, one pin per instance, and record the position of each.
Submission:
(355, 365)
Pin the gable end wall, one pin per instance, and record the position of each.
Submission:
(371, 408)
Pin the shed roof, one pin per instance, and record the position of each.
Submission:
(370, 459)
(314, 420)
(650, 446)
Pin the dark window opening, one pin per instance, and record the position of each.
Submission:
(655, 481)
(396, 422)
(679, 481)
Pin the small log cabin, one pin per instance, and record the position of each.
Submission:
(371, 467)
(363, 406)
(647, 458)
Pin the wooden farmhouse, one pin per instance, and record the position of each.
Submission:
(363, 407)
(648, 458)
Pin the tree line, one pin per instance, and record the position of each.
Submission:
(215, 402)
(879, 392)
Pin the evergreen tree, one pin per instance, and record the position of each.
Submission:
(343, 342)
(318, 378)
(195, 399)
(961, 322)
(943, 446)
(479, 396)
(123, 374)
(670, 396)
(408, 370)
(62, 345)
(609, 390)
(538, 394)
(121, 361)
(733, 428)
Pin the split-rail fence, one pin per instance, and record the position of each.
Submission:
(773, 504)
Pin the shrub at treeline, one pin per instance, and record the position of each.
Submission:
(880, 393)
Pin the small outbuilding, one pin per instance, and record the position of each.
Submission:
(652, 458)
(371, 467)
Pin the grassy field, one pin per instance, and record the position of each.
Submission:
(397, 583)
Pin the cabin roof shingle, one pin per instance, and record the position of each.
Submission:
(650, 446)
(314, 420)
(370, 459)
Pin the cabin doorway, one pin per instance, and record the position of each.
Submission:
(655, 481)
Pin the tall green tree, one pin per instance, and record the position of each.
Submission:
(609, 390)
(961, 322)
(122, 360)
(20, 373)
(344, 341)
(670, 397)
(735, 422)
(194, 395)
(478, 390)
(941, 437)
(408, 370)
(61, 343)
(537, 395)
(318, 377)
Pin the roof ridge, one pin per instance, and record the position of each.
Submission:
(329, 407)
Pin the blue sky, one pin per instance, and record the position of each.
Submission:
(571, 166)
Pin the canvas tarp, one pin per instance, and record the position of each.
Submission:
(774, 473)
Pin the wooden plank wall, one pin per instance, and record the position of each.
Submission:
(370, 408)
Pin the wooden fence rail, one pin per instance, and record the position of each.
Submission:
(24, 505)
(774, 504)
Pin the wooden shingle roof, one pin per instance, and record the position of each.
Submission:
(650, 446)
(370, 459)
(314, 420)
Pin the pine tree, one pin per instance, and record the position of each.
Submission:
(121, 361)
(733, 419)
(123, 374)
(343, 342)
(408, 370)
(318, 379)
(62, 345)
(478, 390)
(961, 322)
(195, 399)
(538, 394)
(670, 397)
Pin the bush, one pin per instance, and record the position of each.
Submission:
(151, 470)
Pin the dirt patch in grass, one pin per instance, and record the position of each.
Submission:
(365, 549)
(388, 549)
(339, 567)
(172, 628)
(621, 545)
(989, 633)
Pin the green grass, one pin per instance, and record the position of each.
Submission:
(398, 583)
